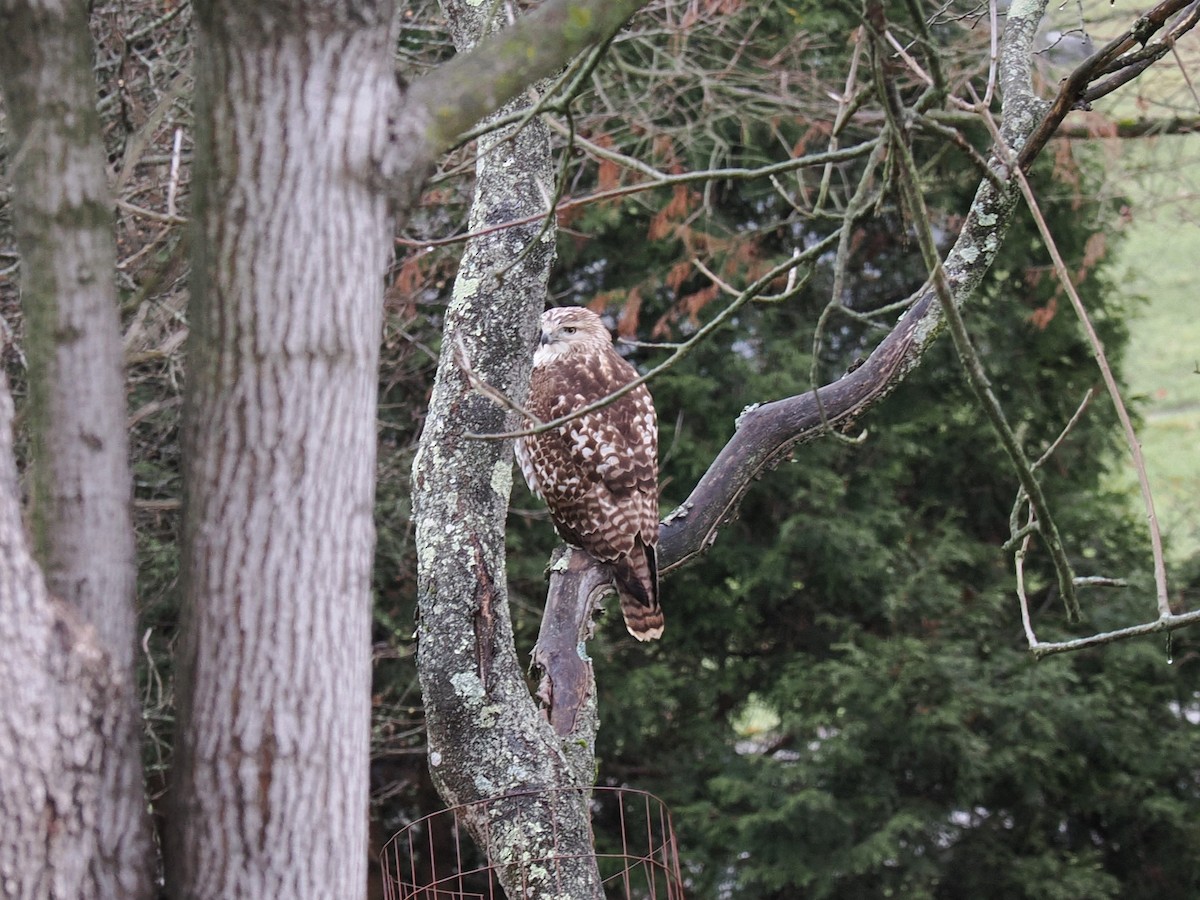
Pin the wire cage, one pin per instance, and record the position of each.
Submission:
(633, 839)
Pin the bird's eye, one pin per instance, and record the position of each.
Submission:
(570, 329)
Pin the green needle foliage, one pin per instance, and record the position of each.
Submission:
(843, 704)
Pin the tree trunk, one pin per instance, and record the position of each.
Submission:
(486, 736)
(63, 732)
(79, 470)
(291, 242)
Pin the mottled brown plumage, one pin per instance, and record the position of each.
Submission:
(598, 473)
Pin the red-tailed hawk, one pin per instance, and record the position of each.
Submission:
(598, 473)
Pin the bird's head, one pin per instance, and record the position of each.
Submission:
(569, 329)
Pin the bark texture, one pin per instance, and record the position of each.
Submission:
(291, 242)
(64, 724)
(487, 737)
(79, 470)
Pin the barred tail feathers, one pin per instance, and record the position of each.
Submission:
(637, 585)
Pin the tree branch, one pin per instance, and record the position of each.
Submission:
(535, 47)
(1091, 129)
(1075, 86)
(767, 433)
(1163, 624)
(567, 685)
(972, 365)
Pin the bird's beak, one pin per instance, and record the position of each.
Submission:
(545, 338)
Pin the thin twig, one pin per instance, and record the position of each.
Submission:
(1187, 79)
(965, 147)
(482, 387)
(912, 64)
(972, 365)
(1019, 565)
(1167, 623)
(1110, 381)
(1135, 447)
(1100, 581)
(716, 279)
(621, 159)
(846, 105)
(1019, 533)
(173, 183)
(1025, 533)
(1071, 423)
(993, 54)
(859, 202)
(937, 76)
(151, 214)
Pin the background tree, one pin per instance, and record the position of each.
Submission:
(275, 572)
(71, 787)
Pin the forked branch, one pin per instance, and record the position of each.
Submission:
(766, 434)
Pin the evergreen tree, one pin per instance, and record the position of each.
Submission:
(843, 705)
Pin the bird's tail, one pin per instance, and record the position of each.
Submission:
(637, 584)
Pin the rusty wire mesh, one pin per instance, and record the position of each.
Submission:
(633, 840)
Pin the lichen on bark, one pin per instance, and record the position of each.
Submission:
(487, 737)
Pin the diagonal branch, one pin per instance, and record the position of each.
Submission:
(767, 433)
(535, 47)
(1075, 86)
(972, 365)
(1114, 392)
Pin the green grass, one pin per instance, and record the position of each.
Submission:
(1160, 259)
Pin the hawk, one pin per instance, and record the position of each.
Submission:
(598, 473)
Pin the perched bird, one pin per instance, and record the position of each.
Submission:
(598, 473)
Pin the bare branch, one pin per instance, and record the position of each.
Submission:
(705, 175)
(1075, 86)
(1090, 129)
(972, 365)
(535, 47)
(767, 433)
(1132, 65)
(1110, 382)
(1166, 624)
(481, 386)
(576, 584)
(1067, 429)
